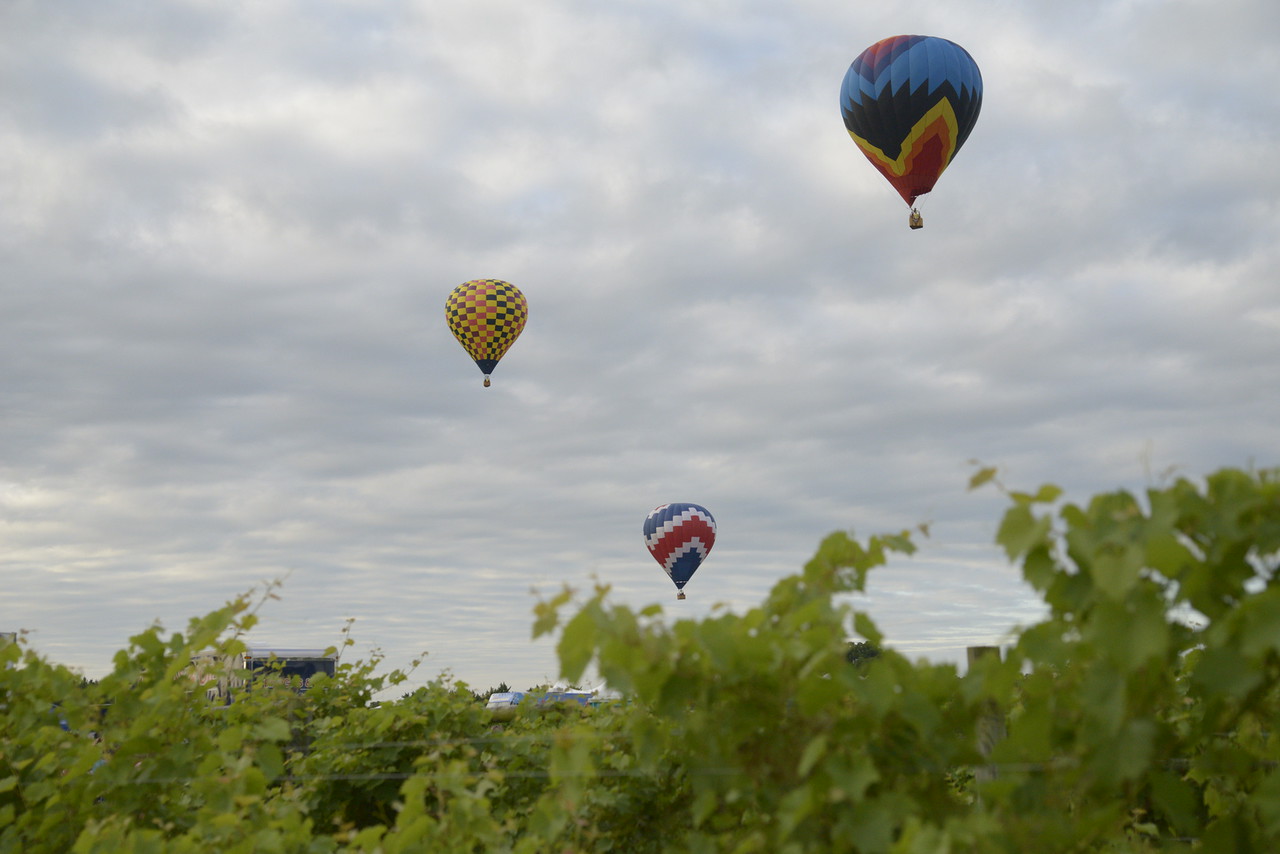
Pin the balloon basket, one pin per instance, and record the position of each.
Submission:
(486, 379)
(680, 595)
(915, 220)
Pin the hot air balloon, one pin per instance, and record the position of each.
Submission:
(679, 536)
(486, 316)
(910, 102)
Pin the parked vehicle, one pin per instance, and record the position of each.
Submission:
(503, 704)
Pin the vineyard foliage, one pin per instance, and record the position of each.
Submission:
(1138, 714)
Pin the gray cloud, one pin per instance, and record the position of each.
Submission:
(228, 235)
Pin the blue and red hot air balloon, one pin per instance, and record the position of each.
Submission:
(679, 536)
(910, 102)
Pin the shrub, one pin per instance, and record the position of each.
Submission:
(1137, 715)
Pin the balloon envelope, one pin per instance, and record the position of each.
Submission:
(910, 102)
(679, 536)
(486, 316)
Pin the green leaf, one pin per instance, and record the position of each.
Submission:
(1102, 693)
(1030, 736)
(271, 729)
(872, 826)
(1259, 623)
(704, 804)
(270, 760)
(1132, 633)
(1225, 672)
(1166, 554)
(854, 776)
(900, 542)
(578, 643)
(1266, 800)
(1115, 568)
(1177, 799)
(1021, 530)
(813, 751)
(982, 477)
(547, 613)
(1039, 568)
(863, 625)
(1047, 494)
(1128, 755)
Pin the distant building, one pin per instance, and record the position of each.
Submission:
(222, 676)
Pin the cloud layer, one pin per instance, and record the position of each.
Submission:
(229, 230)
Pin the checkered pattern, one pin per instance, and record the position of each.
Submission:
(679, 537)
(486, 316)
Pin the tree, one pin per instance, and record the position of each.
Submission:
(483, 696)
(861, 651)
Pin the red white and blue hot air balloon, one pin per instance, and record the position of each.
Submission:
(679, 537)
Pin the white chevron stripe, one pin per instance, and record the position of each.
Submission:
(695, 543)
(671, 524)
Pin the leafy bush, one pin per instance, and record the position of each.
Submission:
(1137, 715)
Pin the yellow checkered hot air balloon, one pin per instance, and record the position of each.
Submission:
(486, 316)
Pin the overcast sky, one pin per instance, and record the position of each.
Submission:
(227, 231)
